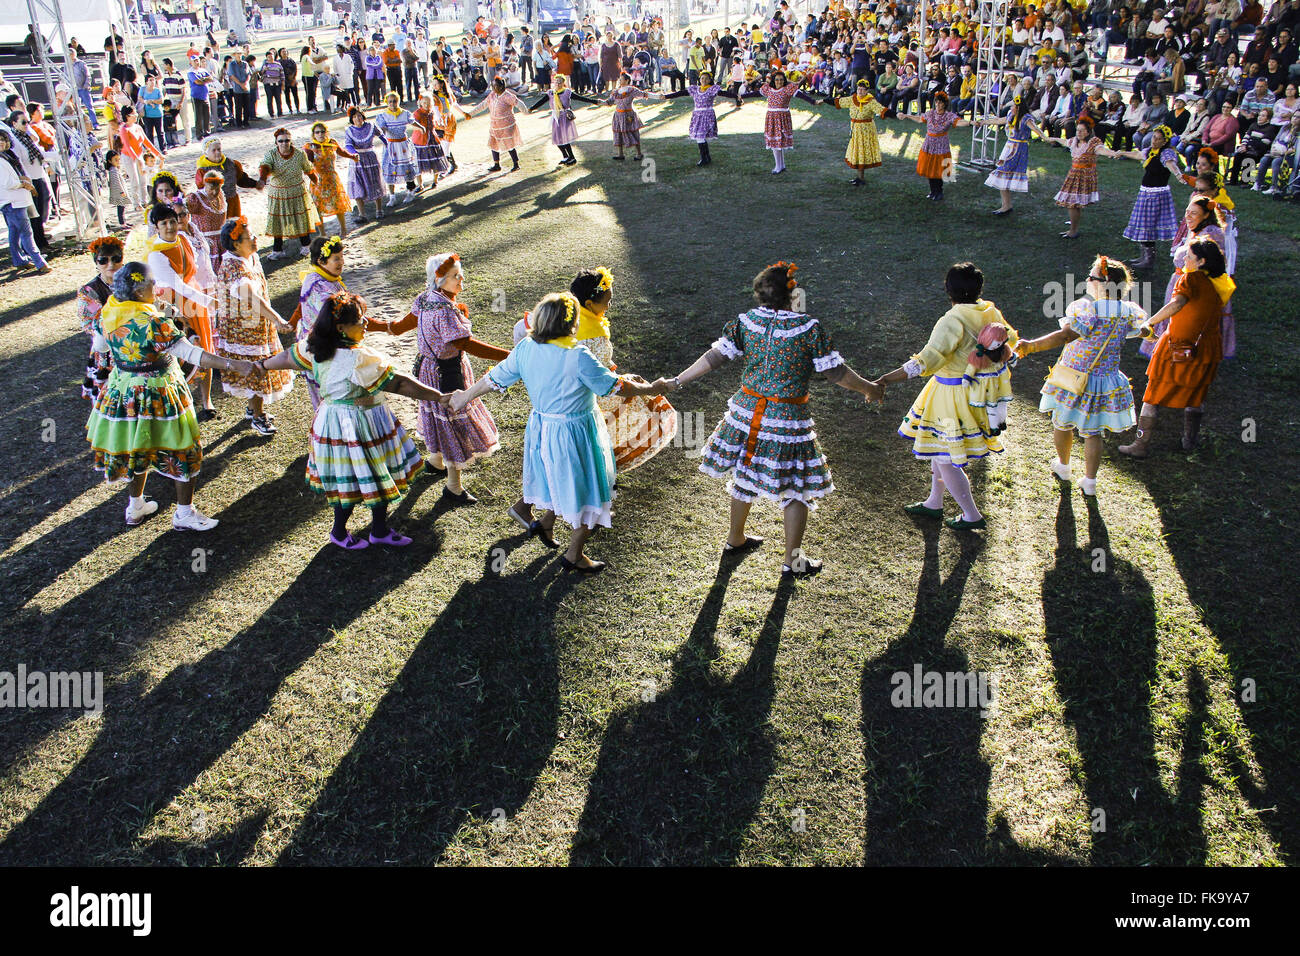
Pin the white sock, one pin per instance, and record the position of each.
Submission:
(135, 504)
(958, 486)
(936, 487)
(183, 511)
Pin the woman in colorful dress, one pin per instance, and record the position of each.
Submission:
(247, 324)
(765, 445)
(174, 264)
(1012, 173)
(399, 157)
(233, 177)
(1188, 353)
(627, 122)
(365, 182)
(290, 212)
(1206, 181)
(1080, 186)
(207, 206)
(143, 418)
(564, 131)
(778, 130)
(360, 454)
(444, 120)
(863, 152)
(1092, 332)
(429, 155)
(327, 189)
(456, 440)
(942, 425)
(568, 461)
(934, 161)
(503, 133)
(1203, 219)
(319, 282)
(1154, 218)
(106, 251)
(704, 118)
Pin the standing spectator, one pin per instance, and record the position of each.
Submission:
(410, 70)
(273, 82)
(307, 70)
(393, 67)
(290, 70)
(151, 112)
(237, 74)
(174, 90)
(197, 79)
(81, 78)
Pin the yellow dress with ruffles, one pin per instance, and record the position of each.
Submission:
(944, 423)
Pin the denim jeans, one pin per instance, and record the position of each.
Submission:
(21, 240)
(84, 96)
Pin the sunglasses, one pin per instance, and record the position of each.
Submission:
(280, 139)
(105, 260)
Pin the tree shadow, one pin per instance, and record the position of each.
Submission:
(926, 783)
(461, 735)
(1100, 623)
(680, 777)
(153, 747)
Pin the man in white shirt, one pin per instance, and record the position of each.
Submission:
(344, 75)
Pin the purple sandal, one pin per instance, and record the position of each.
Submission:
(392, 539)
(350, 542)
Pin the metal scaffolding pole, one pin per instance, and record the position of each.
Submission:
(990, 55)
(92, 225)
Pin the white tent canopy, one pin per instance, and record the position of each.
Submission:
(86, 20)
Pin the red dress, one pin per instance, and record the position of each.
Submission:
(1184, 384)
(778, 130)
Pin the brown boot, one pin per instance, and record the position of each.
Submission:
(1138, 448)
(1191, 427)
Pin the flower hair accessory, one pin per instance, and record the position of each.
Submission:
(570, 307)
(165, 174)
(105, 242)
(444, 266)
(332, 245)
(606, 280)
(137, 276)
(240, 230)
(790, 269)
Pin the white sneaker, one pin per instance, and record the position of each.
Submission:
(1268, 192)
(392, 201)
(135, 515)
(194, 521)
(1061, 471)
(1088, 486)
(304, 249)
(409, 197)
(274, 254)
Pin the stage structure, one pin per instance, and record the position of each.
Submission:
(990, 57)
(74, 141)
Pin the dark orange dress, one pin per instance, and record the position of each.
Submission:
(1184, 384)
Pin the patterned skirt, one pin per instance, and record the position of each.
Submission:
(943, 425)
(360, 455)
(145, 422)
(431, 159)
(639, 426)
(704, 125)
(250, 339)
(462, 438)
(627, 128)
(327, 192)
(1079, 188)
(863, 151)
(778, 130)
(1013, 171)
(290, 213)
(1104, 405)
(364, 182)
(399, 162)
(774, 455)
(503, 135)
(1154, 218)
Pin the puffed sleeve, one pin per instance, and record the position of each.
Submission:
(945, 338)
(1136, 317)
(825, 357)
(592, 374)
(300, 356)
(371, 371)
(1081, 317)
(87, 309)
(732, 341)
(505, 374)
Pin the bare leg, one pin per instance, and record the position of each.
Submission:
(1091, 455)
(205, 388)
(795, 519)
(1006, 200)
(137, 484)
(1063, 438)
(343, 226)
(255, 403)
(577, 539)
(739, 514)
(184, 492)
(1076, 213)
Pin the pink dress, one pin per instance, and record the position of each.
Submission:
(503, 133)
(461, 437)
(627, 124)
(778, 130)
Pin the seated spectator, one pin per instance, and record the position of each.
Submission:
(1254, 143)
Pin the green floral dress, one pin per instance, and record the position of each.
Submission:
(290, 212)
(765, 443)
(143, 418)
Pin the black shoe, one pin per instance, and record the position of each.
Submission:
(434, 470)
(750, 544)
(807, 568)
(464, 498)
(206, 414)
(514, 168)
(542, 535)
(262, 426)
(594, 568)
(494, 169)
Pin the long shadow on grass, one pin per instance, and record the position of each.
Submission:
(926, 783)
(151, 748)
(679, 778)
(462, 734)
(103, 627)
(1100, 622)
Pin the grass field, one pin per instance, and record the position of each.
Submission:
(294, 704)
